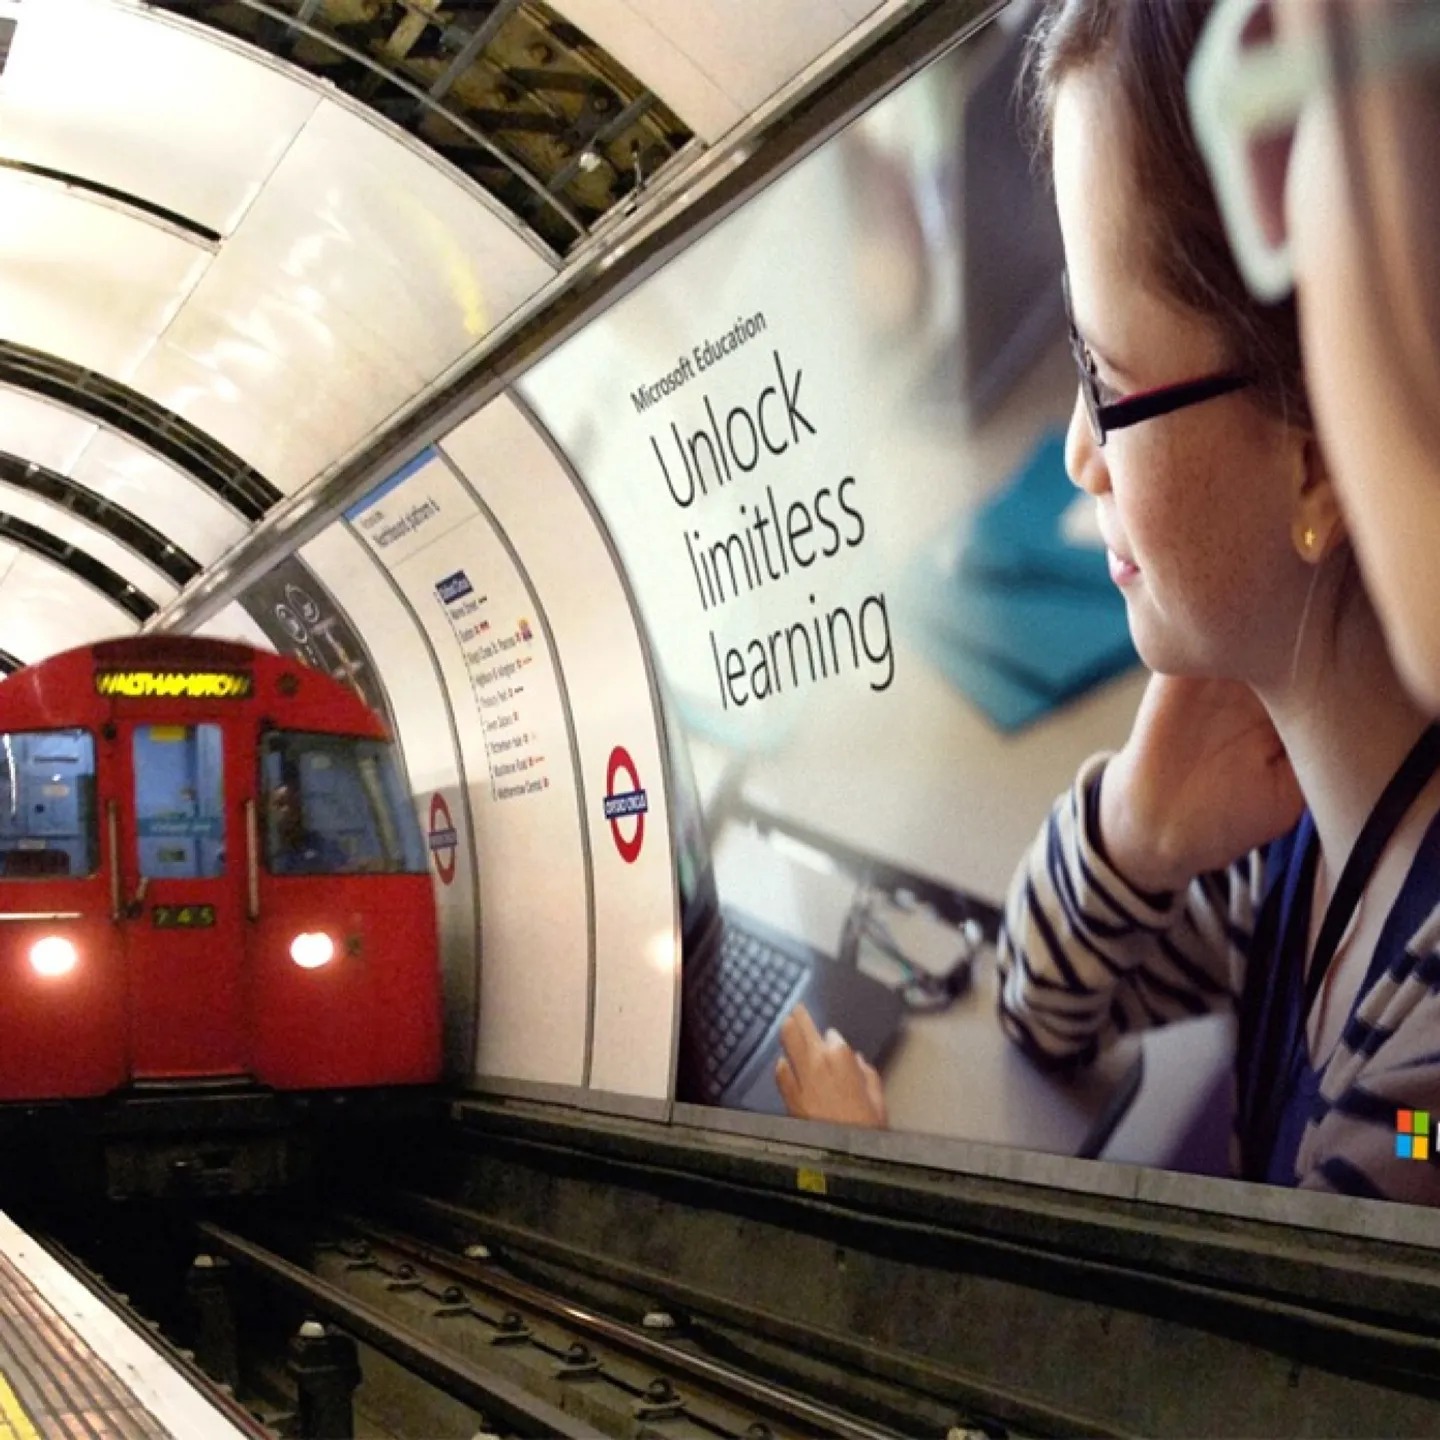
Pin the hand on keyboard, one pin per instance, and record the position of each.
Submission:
(822, 1078)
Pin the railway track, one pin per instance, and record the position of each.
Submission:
(526, 1360)
(905, 1393)
(406, 1315)
(499, 1278)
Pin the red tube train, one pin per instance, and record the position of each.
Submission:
(212, 883)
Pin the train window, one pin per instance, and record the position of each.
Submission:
(335, 805)
(47, 805)
(180, 801)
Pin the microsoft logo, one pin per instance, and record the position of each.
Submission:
(1412, 1134)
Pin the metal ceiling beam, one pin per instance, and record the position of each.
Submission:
(121, 525)
(79, 563)
(135, 416)
(146, 210)
(466, 56)
(605, 135)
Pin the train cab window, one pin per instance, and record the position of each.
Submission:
(336, 805)
(180, 801)
(47, 805)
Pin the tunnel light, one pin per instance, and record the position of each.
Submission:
(53, 956)
(311, 950)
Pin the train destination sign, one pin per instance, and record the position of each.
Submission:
(174, 684)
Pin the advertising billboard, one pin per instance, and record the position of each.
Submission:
(835, 444)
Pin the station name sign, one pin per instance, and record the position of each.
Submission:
(174, 684)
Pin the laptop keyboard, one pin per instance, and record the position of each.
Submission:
(735, 1000)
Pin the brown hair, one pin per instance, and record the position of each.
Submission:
(1145, 46)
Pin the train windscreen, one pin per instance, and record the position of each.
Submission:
(336, 805)
(180, 801)
(47, 805)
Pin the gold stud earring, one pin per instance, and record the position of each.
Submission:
(1307, 542)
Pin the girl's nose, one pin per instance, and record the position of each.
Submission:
(1084, 460)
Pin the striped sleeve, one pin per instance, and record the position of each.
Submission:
(1382, 1082)
(1085, 957)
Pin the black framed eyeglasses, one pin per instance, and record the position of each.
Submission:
(1128, 410)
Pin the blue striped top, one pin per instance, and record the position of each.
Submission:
(1085, 957)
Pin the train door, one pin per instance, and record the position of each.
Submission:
(183, 898)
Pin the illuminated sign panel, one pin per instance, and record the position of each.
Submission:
(174, 684)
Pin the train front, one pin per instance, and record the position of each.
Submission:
(215, 906)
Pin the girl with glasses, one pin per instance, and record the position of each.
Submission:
(1320, 122)
(1267, 841)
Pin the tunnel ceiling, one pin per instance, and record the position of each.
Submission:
(509, 92)
(240, 239)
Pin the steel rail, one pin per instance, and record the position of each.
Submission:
(497, 1398)
(966, 1392)
(788, 1404)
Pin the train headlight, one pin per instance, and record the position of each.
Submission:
(310, 950)
(53, 956)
